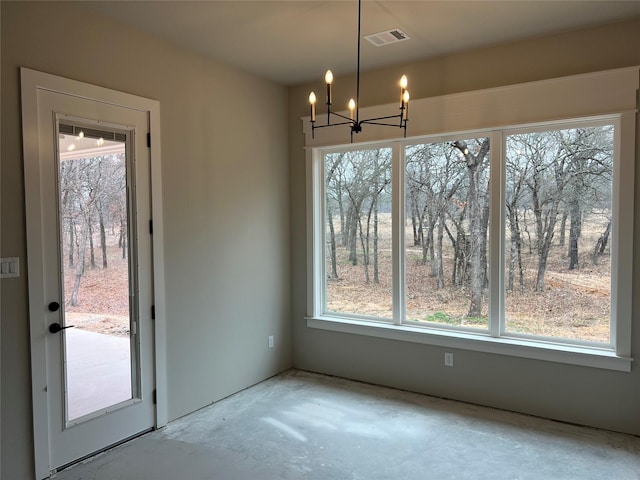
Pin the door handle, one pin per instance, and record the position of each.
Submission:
(55, 327)
(54, 306)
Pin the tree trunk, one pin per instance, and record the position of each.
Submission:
(537, 213)
(120, 236)
(527, 232)
(477, 272)
(461, 247)
(103, 239)
(519, 255)
(365, 252)
(545, 235)
(515, 251)
(92, 254)
(376, 268)
(332, 245)
(454, 246)
(343, 227)
(424, 239)
(80, 264)
(601, 244)
(545, 248)
(563, 228)
(414, 223)
(354, 219)
(432, 252)
(123, 236)
(512, 253)
(574, 234)
(440, 259)
(72, 231)
(478, 221)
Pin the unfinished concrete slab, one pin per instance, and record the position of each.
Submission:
(300, 425)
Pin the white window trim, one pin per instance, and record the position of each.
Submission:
(609, 95)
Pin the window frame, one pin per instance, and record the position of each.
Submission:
(615, 356)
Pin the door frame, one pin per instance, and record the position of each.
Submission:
(31, 82)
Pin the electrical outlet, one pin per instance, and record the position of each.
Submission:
(448, 359)
(270, 341)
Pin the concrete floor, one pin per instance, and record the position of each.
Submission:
(305, 426)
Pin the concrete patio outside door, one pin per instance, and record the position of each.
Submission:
(98, 369)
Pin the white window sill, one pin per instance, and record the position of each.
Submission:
(560, 353)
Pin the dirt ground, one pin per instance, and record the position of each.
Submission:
(574, 305)
(103, 296)
(98, 323)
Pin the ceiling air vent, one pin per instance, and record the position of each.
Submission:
(385, 38)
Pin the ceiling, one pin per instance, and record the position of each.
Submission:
(294, 42)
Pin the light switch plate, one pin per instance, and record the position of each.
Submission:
(9, 267)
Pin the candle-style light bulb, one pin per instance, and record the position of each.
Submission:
(403, 88)
(405, 100)
(312, 101)
(352, 107)
(328, 78)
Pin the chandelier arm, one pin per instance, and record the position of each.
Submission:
(371, 120)
(350, 122)
(342, 116)
(383, 124)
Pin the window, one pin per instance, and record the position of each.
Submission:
(558, 217)
(357, 186)
(506, 237)
(447, 210)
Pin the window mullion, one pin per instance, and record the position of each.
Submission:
(315, 209)
(397, 239)
(622, 241)
(496, 235)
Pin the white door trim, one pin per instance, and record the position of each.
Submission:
(31, 82)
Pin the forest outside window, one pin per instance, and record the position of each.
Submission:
(507, 234)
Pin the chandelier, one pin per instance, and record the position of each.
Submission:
(353, 120)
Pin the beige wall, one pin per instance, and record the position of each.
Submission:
(226, 207)
(601, 398)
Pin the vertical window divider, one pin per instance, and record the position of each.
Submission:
(623, 226)
(398, 233)
(496, 234)
(315, 233)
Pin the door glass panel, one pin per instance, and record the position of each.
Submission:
(95, 270)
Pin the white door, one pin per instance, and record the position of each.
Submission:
(93, 240)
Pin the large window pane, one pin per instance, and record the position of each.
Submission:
(358, 232)
(558, 233)
(446, 225)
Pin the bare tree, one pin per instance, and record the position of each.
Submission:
(90, 188)
(478, 212)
